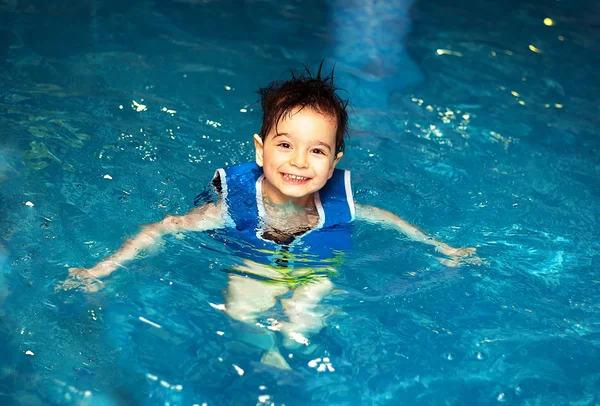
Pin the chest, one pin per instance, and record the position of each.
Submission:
(283, 226)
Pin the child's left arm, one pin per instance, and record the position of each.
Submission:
(377, 215)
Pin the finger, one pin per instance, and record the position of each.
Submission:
(94, 286)
(465, 252)
(477, 261)
(452, 263)
(67, 285)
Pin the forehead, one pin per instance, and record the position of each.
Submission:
(306, 119)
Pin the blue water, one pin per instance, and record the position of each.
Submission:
(113, 114)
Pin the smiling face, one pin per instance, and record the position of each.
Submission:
(298, 156)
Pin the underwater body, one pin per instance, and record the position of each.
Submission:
(476, 122)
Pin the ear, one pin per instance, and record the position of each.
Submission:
(335, 162)
(258, 146)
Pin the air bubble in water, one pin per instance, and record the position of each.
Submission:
(501, 397)
(480, 356)
(449, 356)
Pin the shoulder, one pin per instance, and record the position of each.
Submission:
(247, 168)
(235, 176)
(337, 198)
(339, 183)
(238, 187)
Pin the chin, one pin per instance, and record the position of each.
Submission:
(295, 194)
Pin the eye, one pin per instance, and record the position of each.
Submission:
(318, 151)
(284, 145)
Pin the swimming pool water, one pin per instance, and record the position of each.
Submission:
(479, 126)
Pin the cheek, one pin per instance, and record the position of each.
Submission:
(326, 170)
(269, 157)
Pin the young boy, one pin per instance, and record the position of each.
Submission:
(287, 215)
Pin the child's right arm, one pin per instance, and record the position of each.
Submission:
(207, 217)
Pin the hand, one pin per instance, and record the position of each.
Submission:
(459, 256)
(82, 278)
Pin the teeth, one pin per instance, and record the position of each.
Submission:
(294, 177)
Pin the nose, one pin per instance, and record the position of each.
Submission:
(299, 159)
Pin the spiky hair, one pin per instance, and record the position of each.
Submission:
(304, 90)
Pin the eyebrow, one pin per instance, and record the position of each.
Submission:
(325, 145)
(289, 136)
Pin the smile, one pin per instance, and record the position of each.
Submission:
(294, 178)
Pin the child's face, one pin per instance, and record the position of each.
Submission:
(298, 156)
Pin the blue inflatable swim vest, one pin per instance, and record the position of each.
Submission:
(241, 188)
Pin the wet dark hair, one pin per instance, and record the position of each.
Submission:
(301, 91)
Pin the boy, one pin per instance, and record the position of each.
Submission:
(287, 214)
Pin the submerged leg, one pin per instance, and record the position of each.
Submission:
(306, 316)
(245, 298)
